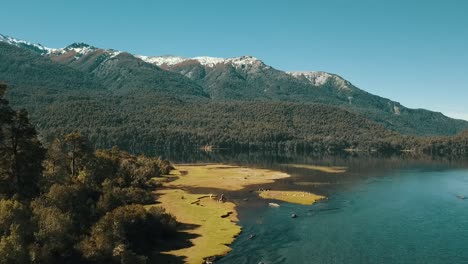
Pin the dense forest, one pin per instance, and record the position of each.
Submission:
(70, 203)
(155, 125)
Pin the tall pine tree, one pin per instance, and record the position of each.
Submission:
(22, 153)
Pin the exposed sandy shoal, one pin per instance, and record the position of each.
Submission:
(296, 197)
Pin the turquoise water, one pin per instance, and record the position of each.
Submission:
(403, 216)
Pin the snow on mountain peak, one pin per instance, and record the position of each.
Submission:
(79, 48)
(245, 60)
(209, 61)
(21, 43)
(318, 78)
(315, 77)
(168, 60)
(203, 60)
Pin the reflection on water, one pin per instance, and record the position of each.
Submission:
(379, 210)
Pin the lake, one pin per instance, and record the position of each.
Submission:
(380, 210)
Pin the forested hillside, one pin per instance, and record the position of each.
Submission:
(149, 124)
(72, 204)
(119, 100)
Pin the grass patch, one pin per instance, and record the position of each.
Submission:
(215, 223)
(225, 177)
(296, 197)
(327, 169)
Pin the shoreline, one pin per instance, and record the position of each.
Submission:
(214, 222)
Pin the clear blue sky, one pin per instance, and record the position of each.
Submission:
(414, 52)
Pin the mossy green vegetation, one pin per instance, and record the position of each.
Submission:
(214, 221)
(223, 177)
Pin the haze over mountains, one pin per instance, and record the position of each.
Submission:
(80, 77)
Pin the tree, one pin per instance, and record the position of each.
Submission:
(21, 152)
(15, 232)
(6, 113)
(78, 151)
(53, 237)
(67, 157)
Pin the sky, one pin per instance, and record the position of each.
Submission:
(413, 51)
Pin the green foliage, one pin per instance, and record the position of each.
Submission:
(53, 238)
(81, 192)
(126, 230)
(144, 125)
(445, 146)
(15, 231)
(21, 153)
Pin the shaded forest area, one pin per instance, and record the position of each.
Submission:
(70, 203)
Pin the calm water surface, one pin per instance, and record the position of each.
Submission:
(379, 211)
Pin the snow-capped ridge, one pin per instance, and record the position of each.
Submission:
(315, 77)
(209, 61)
(82, 49)
(169, 60)
(318, 78)
(79, 48)
(21, 43)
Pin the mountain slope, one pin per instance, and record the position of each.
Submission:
(202, 79)
(28, 70)
(123, 72)
(247, 78)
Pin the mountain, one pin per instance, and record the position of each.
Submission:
(28, 70)
(123, 72)
(145, 103)
(37, 48)
(247, 78)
